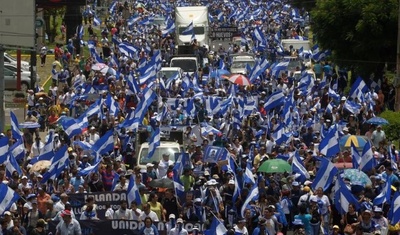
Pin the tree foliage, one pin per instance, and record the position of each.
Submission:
(307, 5)
(361, 33)
(392, 130)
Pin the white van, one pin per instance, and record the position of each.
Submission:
(297, 75)
(168, 147)
(239, 64)
(296, 43)
(168, 72)
(186, 63)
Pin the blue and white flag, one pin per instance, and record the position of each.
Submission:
(384, 195)
(207, 129)
(352, 107)
(18, 150)
(96, 21)
(58, 163)
(298, 167)
(325, 175)
(329, 145)
(343, 197)
(358, 88)
(356, 158)
(105, 144)
(274, 100)
(88, 170)
(248, 174)
(281, 66)
(70, 126)
(333, 94)
(253, 195)
(7, 198)
(4, 146)
(112, 105)
(170, 28)
(394, 212)
(216, 228)
(133, 191)
(11, 164)
(16, 133)
(367, 159)
(47, 152)
(189, 29)
(154, 142)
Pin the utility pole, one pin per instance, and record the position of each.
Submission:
(397, 81)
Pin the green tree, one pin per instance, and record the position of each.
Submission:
(361, 33)
(307, 5)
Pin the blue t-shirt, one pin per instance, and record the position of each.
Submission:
(306, 221)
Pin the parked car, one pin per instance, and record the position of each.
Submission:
(10, 78)
(11, 60)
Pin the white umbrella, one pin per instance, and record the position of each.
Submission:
(99, 66)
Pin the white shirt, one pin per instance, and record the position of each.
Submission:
(134, 216)
(31, 100)
(163, 168)
(59, 206)
(153, 216)
(325, 200)
(303, 199)
(175, 231)
(35, 150)
(109, 213)
(93, 138)
(242, 231)
(122, 214)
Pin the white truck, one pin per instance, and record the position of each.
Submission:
(199, 16)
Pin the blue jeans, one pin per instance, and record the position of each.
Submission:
(315, 228)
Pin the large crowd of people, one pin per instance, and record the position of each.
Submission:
(244, 124)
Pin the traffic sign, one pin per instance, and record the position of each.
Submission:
(39, 22)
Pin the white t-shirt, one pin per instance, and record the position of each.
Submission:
(109, 213)
(153, 216)
(242, 231)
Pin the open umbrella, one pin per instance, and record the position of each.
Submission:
(357, 140)
(29, 125)
(357, 177)
(99, 66)
(40, 166)
(239, 79)
(162, 183)
(275, 166)
(377, 121)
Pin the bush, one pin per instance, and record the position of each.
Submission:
(392, 130)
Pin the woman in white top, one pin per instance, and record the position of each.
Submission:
(240, 227)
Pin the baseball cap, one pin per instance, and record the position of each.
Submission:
(149, 165)
(335, 227)
(7, 213)
(180, 220)
(66, 213)
(172, 216)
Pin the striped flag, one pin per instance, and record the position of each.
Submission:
(7, 198)
(16, 133)
(325, 175)
(343, 197)
(367, 159)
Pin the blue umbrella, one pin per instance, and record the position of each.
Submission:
(29, 125)
(377, 121)
(357, 177)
